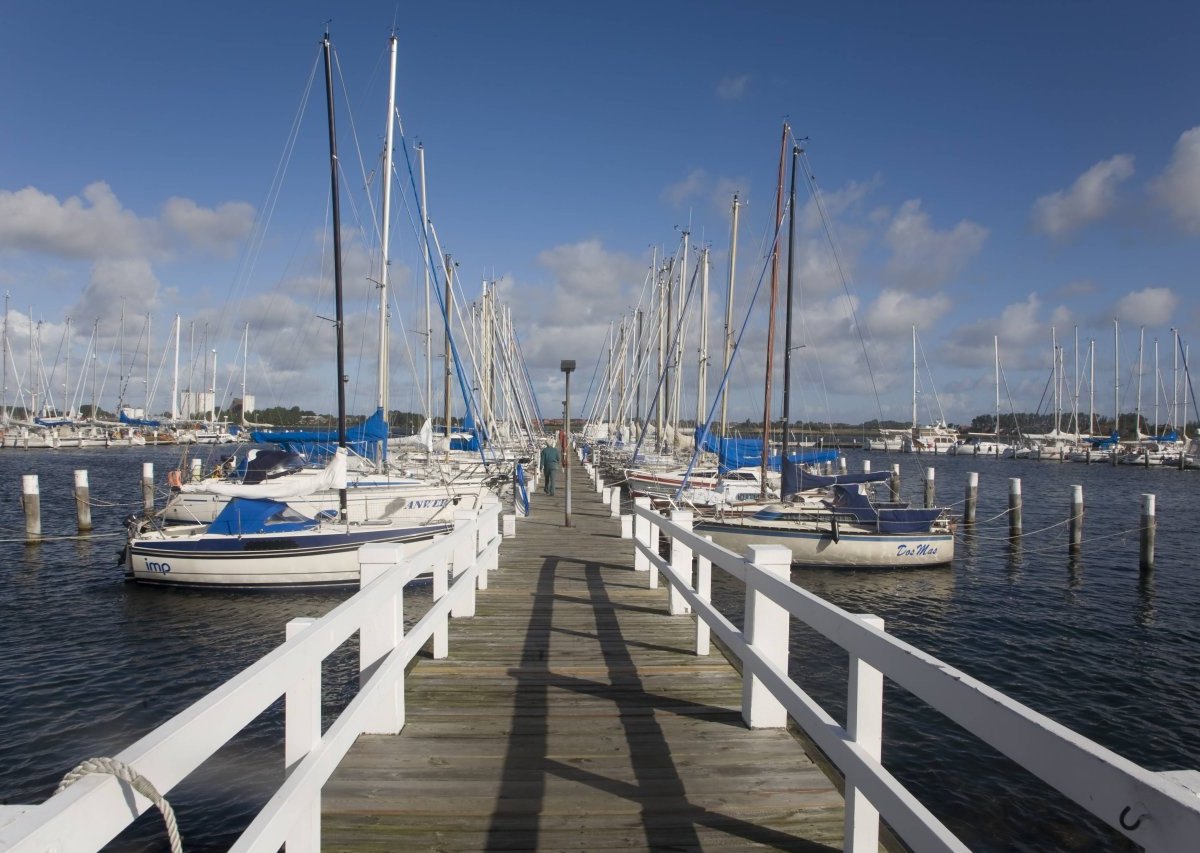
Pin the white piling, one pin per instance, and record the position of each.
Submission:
(1014, 508)
(972, 497)
(1076, 531)
(1149, 527)
(930, 487)
(148, 486)
(83, 504)
(31, 500)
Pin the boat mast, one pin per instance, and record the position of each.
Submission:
(787, 345)
(337, 264)
(4, 377)
(386, 260)
(1117, 379)
(146, 411)
(446, 372)
(766, 448)
(702, 366)
(1137, 414)
(245, 360)
(729, 317)
(914, 394)
(175, 379)
(996, 348)
(428, 309)
(212, 395)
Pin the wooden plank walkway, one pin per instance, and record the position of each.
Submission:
(573, 714)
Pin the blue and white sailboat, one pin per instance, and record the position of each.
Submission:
(264, 541)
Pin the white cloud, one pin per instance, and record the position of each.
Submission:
(116, 284)
(732, 88)
(90, 227)
(1151, 306)
(1090, 198)
(699, 185)
(895, 312)
(215, 228)
(837, 202)
(1020, 333)
(1178, 187)
(693, 185)
(923, 257)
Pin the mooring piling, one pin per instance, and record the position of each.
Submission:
(930, 490)
(1149, 526)
(31, 500)
(972, 497)
(148, 486)
(83, 504)
(1014, 508)
(1076, 529)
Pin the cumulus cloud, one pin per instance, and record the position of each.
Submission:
(732, 88)
(1019, 331)
(78, 228)
(836, 203)
(895, 312)
(1178, 187)
(717, 192)
(214, 228)
(1090, 198)
(1151, 306)
(117, 283)
(922, 256)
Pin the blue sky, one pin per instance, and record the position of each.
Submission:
(987, 169)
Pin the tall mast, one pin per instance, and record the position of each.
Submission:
(914, 394)
(1054, 371)
(4, 376)
(245, 361)
(787, 346)
(1117, 377)
(95, 337)
(1092, 386)
(446, 373)
(175, 377)
(702, 346)
(1075, 395)
(996, 348)
(766, 448)
(1155, 431)
(212, 396)
(387, 212)
(428, 290)
(146, 412)
(337, 263)
(733, 238)
(1174, 375)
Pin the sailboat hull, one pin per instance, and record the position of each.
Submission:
(324, 557)
(815, 544)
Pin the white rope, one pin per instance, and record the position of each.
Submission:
(137, 781)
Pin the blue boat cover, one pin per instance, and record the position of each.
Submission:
(747, 452)
(128, 421)
(890, 519)
(318, 444)
(243, 516)
(796, 479)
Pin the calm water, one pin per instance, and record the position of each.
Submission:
(93, 663)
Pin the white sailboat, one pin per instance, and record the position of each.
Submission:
(264, 541)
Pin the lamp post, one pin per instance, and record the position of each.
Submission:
(567, 367)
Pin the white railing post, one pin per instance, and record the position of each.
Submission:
(466, 534)
(641, 533)
(704, 593)
(441, 585)
(510, 525)
(766, 629)
(380, 633)
(302, 732)
(614, 502)
(600, 486)
(681, 565)
(864, 725)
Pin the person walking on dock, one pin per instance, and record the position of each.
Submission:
(550, 461)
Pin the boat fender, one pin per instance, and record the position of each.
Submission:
(837, 534)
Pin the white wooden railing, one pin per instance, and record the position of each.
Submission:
(93, 810)
(1159, 811)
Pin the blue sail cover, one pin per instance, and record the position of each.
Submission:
(472, 443)
(796, 479)
(128, 421)
(906, 520)
(321, 443)
(747, 452)
(256, 515)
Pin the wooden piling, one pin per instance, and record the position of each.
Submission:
(148, 486)
(972, 497)
(1014, 508)
(894, 482)
(31, 500)
(1076, 528)
(83, 504)
(1149, 525)
(930, 488)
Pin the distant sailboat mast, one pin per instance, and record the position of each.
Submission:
(787, 346)
(729, 316)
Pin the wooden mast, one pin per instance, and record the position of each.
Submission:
(339, 324)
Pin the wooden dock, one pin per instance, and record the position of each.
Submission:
(573, 714)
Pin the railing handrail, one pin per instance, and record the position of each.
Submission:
(1153, 810)
(94, 810)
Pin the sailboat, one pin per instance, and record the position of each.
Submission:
(834, 522)
(264, 541)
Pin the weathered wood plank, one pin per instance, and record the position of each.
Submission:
(573, 714)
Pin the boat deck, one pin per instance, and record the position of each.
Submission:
(573, 714)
